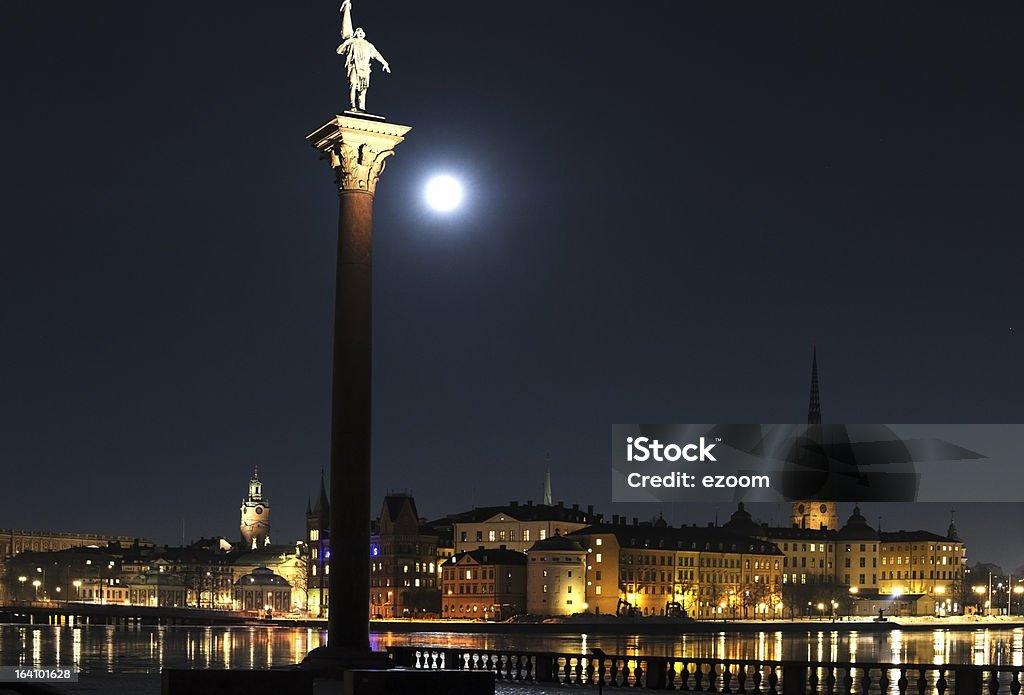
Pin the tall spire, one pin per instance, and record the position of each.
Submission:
(951, 533)
(814, 406)
(547, 487)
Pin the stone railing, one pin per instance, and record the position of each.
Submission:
(720, 675)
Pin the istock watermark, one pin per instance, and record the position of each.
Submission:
(831, 462)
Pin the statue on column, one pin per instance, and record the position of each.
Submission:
(358, 53)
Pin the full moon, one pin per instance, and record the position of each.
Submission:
(444, 193)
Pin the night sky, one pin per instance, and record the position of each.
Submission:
(668, 204)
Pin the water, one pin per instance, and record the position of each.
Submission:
(99, 649)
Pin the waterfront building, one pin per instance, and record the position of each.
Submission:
(287, 561)
(403, 563)
(318, 553)
(14, 541)
(488, 583)
(157, 589)
(204, 567)
(651, 568)
(516, 526)
(262, 591)
(556, 572)
(857, 568)
(255, 511)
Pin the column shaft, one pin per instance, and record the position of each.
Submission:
(349, 581)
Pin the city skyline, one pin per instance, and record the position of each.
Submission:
(796, 177)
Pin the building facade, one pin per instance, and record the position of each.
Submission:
(486, 583)
(556, 571)
(517, 526)
(403, 563)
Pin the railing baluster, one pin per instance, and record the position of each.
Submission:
(741, 680)
(922, 681)
(993, 682)
(830, 679)
(940, 684)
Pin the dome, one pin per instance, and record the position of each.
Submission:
(262, 576)
(743, 523)
(857, 528)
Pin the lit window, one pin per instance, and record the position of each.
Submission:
(543, 533)
(598, 557)
(597, 590)
(314, 534)
(469, 574)
(599, 541)
(490, 535)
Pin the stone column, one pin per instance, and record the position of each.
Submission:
(357, 149)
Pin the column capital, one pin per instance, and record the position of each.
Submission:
(356, 149)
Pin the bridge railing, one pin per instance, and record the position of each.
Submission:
(727, 676)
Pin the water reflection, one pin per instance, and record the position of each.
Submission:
(148, 649)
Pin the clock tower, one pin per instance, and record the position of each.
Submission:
(255, 510)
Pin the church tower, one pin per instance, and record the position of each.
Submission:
(815, 514)
(255, 510)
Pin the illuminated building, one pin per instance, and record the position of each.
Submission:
(262, 591)
(318, 545)
(516, 526)
(486, 583)
(403, 563)
(556, 577)
(655, 569)
(255, 509)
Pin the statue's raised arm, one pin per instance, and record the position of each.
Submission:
(346, 19)
(358, 53)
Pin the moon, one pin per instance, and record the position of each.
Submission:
(444, 193)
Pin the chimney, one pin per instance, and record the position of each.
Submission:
(590, 510)
(529, 503)
(514, 504)
(575, 507)
(502, 546)
(636, 521)
(615, 519)
(561, 504)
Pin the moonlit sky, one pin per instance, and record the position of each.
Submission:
(666, 204)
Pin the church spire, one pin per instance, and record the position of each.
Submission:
(547, 487)
(951, 533)
(814, 406)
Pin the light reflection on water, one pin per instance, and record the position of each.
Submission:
(148, 649)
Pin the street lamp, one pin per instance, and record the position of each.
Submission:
(36, 583)
(21, 591)
(78, 589)
(980, 591)
(821, 611)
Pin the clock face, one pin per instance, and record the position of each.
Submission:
(259, 510)
(823, 509)
(801, 509)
